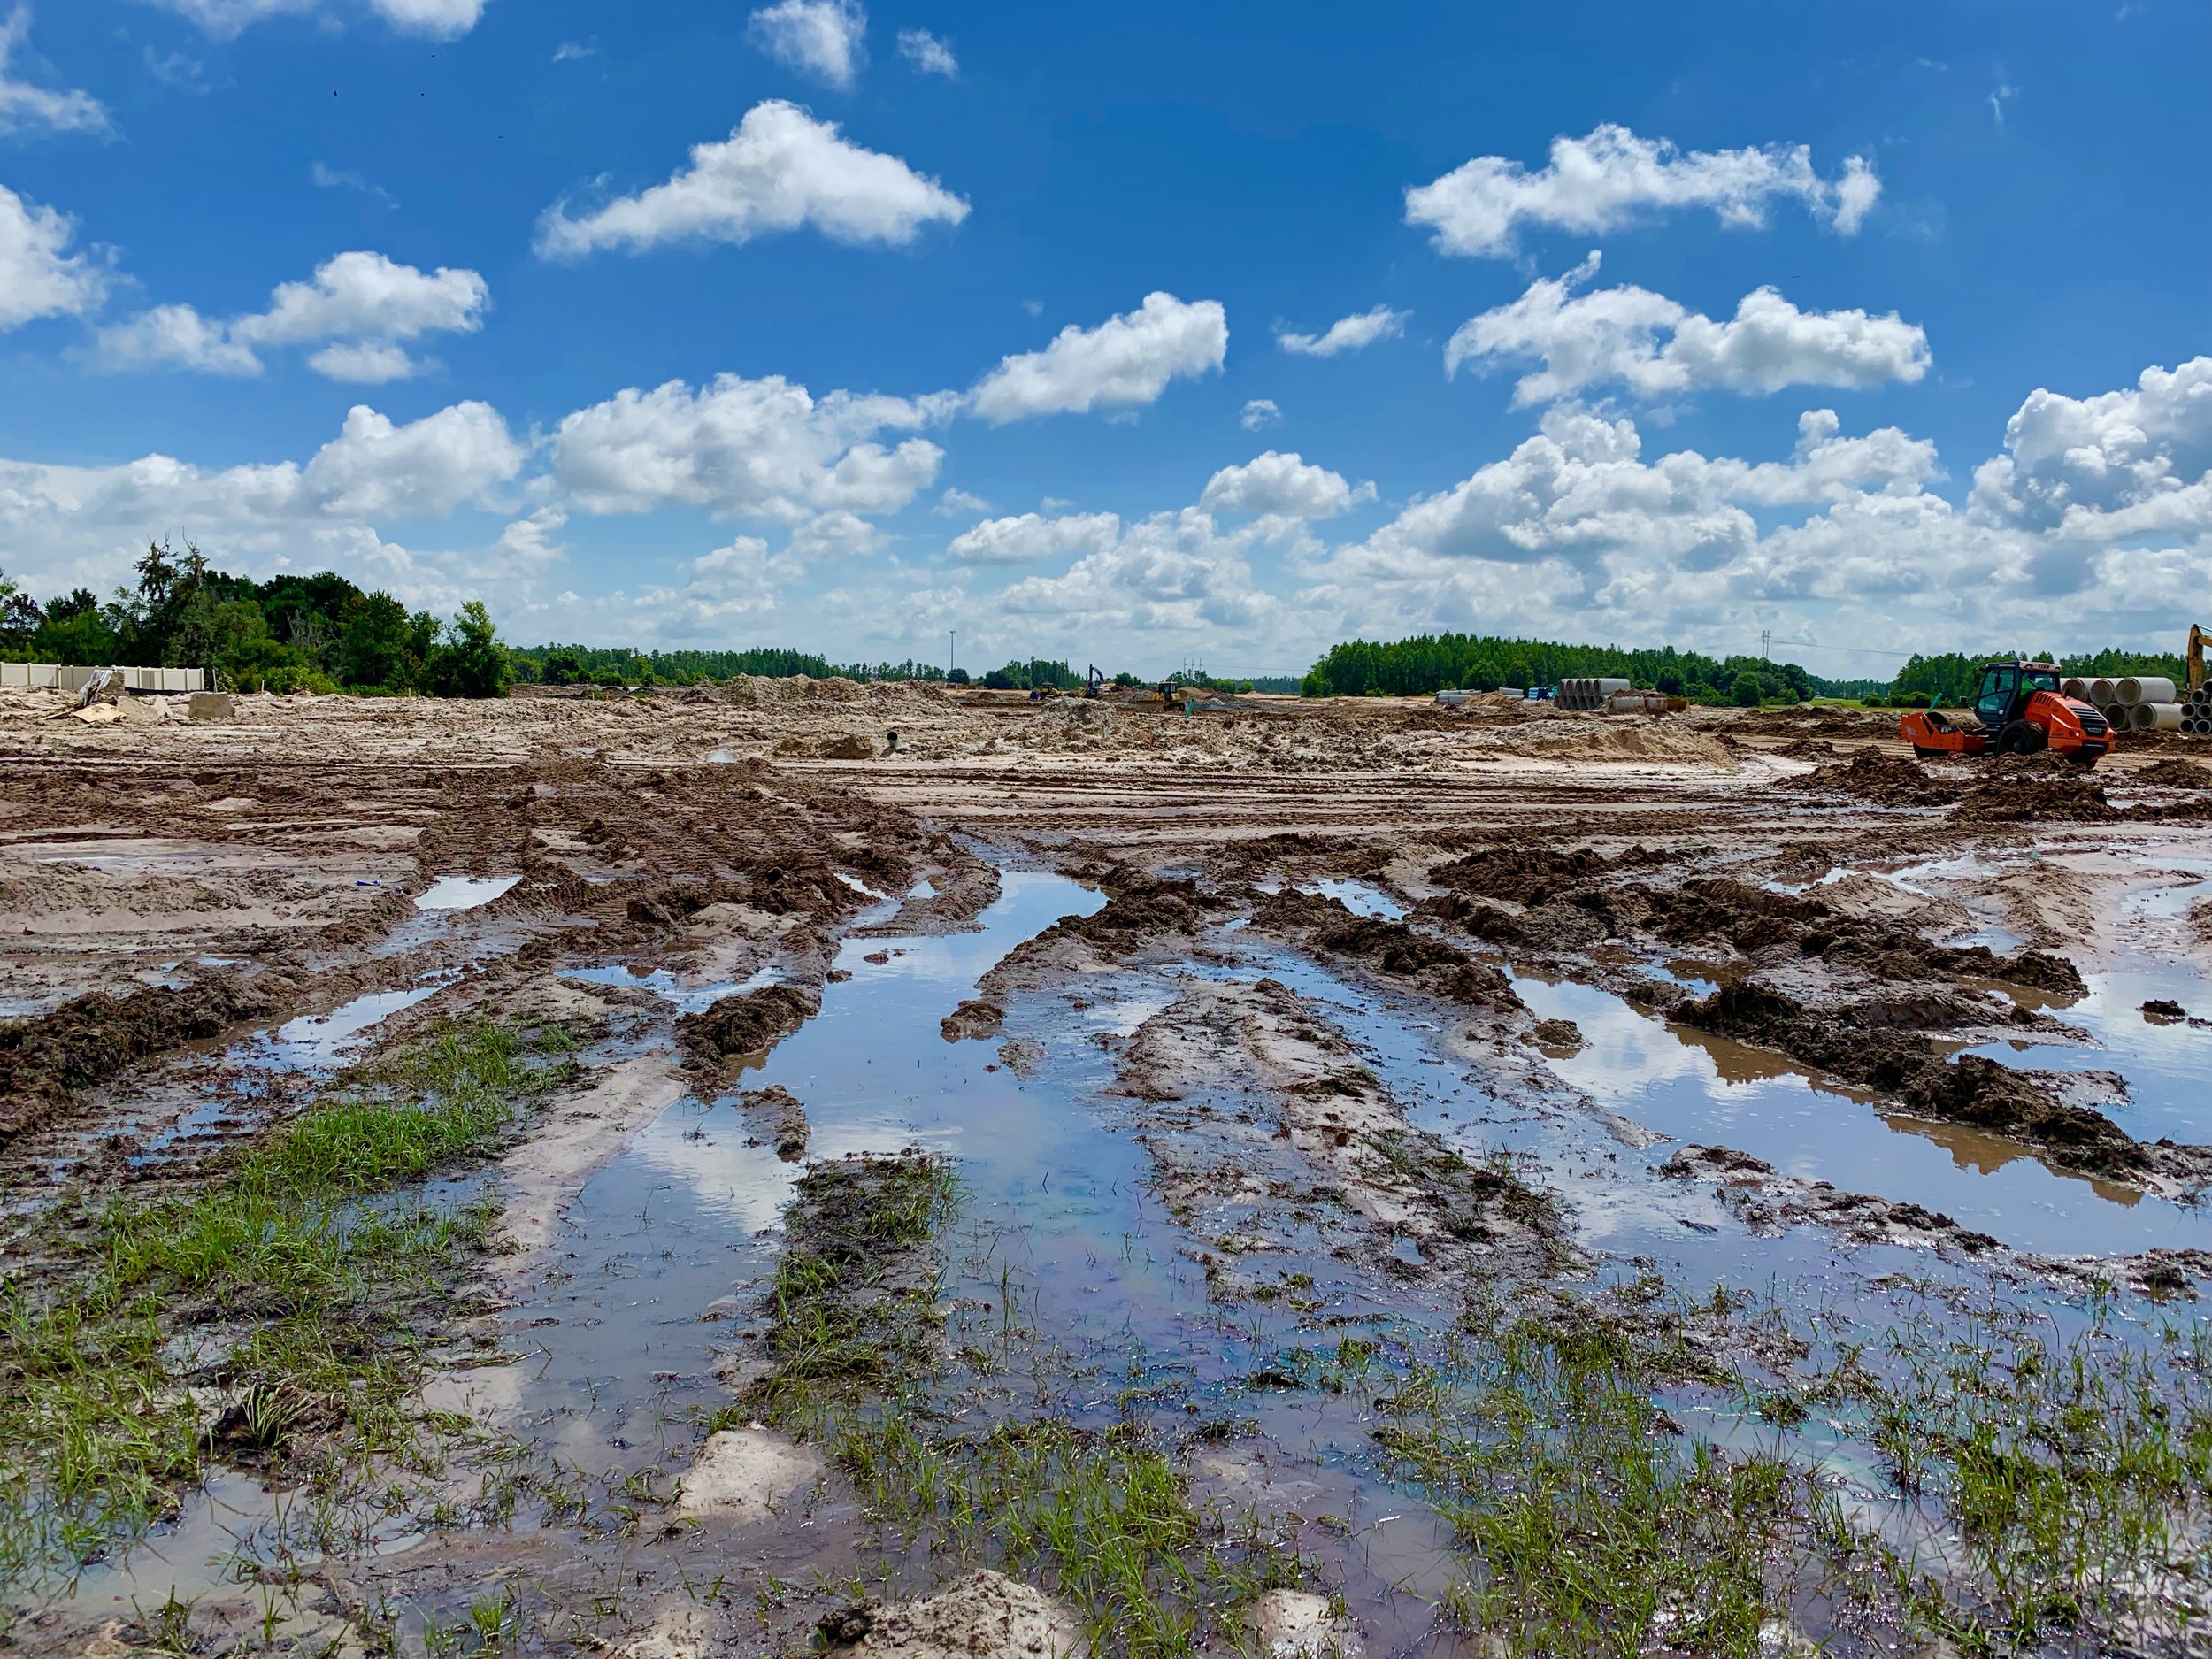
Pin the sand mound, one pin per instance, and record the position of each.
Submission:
(757, 691)
(1074, 723)
(1605, 737)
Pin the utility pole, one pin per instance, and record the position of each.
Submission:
(952, 652)
(1766, 645)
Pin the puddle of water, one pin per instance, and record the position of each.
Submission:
(1726, 1094)
(2167, 1064)
(686, 998)
(1362, 898)
(322, 1042)
(463, 892)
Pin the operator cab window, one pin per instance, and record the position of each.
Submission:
(2039, 680)
(1993, 707)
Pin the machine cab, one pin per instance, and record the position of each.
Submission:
(2006, 689)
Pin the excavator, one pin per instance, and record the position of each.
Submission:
(2018, 710)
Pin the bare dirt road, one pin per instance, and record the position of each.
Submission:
(802, 1165)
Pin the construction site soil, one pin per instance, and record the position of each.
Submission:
(1180, 1070)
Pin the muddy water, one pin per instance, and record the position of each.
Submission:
(1053, 1221)
(1711, 1092)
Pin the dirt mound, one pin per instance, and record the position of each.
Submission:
(89, 1039)
(979, 1017)
(1323, 924)
(2174, 774)
(1884, 780)
(1808, 749)
(1753, 919)
(746, 1024)
(1526, 875)
(1074, 723)
(754, 691)
(2071, 799)
(1876, 1043)
(1611, 738)
(779, 1113)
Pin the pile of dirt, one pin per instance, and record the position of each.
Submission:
(1878, 1043)
(1752, 919)
(2073, 799)
(746, 1024)
(979, 1017)
(1611, 738)
(1884, 780)
(1326, 926)
(779, 1112)
(1074, 723)
(1524, 874)
(90, 1039)
(2173, 773)
(753, 691)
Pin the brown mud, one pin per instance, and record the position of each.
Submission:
(173, 895)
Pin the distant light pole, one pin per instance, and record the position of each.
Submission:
(952, 651)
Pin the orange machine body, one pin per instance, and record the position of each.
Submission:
(2018, 712)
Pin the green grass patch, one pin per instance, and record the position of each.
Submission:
(308, 1286)
(1104, 1520)
(2073, 1474)
(854, 1304)
(1594, 1529)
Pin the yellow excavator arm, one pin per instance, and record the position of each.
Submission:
(2196, 656)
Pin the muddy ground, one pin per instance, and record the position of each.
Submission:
(929, 1171)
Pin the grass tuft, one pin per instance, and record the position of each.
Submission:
(308, 1284)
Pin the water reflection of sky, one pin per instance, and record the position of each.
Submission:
(1722, 1094)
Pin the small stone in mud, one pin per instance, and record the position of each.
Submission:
(1558, 1036)
(2160, 1009)
(984, 1615)
(1298, 1625)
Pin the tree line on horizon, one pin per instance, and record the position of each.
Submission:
(319, 632)
(326, 634)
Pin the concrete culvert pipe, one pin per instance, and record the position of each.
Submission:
(2143, 689)
(2101, 693)
(2077, 688)
(2155, 716)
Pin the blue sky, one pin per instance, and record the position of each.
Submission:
(812, 325)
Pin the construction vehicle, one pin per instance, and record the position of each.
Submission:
(1093, 682)
(2018, 710)
(2196, 659)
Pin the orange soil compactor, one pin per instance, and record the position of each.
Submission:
(2018, 710)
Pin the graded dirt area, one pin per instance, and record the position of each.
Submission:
(803, 1165)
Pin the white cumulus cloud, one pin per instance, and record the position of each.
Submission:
(1284, 484)
(440, 19)
(1031, 537)
(359, 306)
(1616, 334)
(765, 448)
(780, 170)
(1346, 333)
(1258, 412)
(25, 108)
(39, 276)
(1124, 362)
(1613, 178)
(822, 38)
(929, 55)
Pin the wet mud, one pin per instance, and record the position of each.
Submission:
(1028, 1186)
